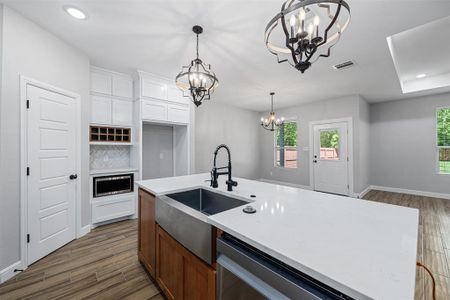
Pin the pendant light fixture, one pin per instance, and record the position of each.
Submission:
(305, 30)
(272, 122)
(197, 80)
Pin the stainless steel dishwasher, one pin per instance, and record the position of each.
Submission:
(244, 272)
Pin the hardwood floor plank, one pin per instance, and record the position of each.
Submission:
(433, 240)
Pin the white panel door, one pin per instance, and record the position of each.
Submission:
(101, 83)
(52, 159)
(101, 110)
(122, 86)
(330, 158)
(122, 112)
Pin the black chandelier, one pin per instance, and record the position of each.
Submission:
(197, 80)
(308, 26)
(272, 122)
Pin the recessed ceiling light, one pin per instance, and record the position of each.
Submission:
(75, 12)
(421, 76)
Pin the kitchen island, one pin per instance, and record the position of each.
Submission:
(363, 249)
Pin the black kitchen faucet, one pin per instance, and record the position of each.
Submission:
(215, 171)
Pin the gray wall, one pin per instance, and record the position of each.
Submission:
(217, 124)
(33, 52)
(157, 151)
(403, 144)
(362, 154)
(316, 111)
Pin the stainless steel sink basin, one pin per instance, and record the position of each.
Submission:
(206, 202)
(184, 216)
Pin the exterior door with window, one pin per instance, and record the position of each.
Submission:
(330, 158)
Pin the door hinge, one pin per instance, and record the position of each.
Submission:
(28, 238)
(28, 171)
(348, 159)
(348, 186)
(28, 104)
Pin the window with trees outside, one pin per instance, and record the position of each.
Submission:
(286, 145)
(443, 140)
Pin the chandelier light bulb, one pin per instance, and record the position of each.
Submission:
(302, 14)
(316, 21)
(292, 21)
(282, 119)
(262, 119)
(310, 30)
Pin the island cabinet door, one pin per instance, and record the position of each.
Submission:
(169, 265)
(199, 279)
(181, 274)
(147, 232)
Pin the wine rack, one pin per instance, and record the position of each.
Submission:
(110, 134)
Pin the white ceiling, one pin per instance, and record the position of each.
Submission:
(422, 50)
(156, 36)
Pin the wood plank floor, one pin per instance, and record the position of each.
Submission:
(433, 243)
(104, 265)
(101, 265)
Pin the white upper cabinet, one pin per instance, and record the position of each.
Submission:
(122, 86)
(101, 82)
(176, 95)
(161, 100)
(112, 98)
(178, 113)
(154, 110)
(122, 112)
(100, 110)
(154, 89)
(111, 83)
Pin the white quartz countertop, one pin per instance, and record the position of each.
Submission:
(364, 249)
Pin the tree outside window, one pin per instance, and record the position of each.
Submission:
(286, 145)
(443, 140)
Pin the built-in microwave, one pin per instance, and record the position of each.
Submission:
(113, 184)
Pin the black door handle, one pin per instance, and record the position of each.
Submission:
(73, 176)
(315, 161)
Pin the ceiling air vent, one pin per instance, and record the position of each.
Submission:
(344, 65)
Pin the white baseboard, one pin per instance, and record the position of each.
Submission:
(8, 272)
(364, 192)
(411, 192)
(84, 230)
(304, 187)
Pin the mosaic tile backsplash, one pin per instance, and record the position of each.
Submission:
(109, 157)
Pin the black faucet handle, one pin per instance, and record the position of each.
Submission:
(232, 182)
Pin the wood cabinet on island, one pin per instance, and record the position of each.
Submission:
(179, 273)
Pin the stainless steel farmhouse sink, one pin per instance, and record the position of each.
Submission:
(184, 216)
(206, 202)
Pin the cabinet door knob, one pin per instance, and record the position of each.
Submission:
(315, 161)
(73, 176)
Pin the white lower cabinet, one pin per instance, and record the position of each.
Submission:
(154, 110)
(178, 113)
(122, 112)
(108, 208)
